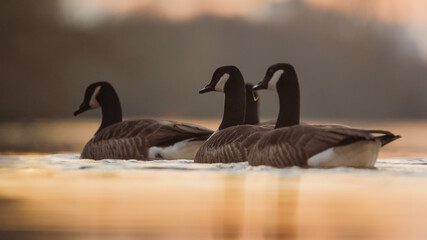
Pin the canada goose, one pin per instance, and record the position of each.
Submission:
(252, 102)
(226, 144)
(291, 144)
(145, 139)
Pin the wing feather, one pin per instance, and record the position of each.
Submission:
(132, 139)
(229, 145)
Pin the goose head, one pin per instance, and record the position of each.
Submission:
(229, 80)
(95, 96)
(283, 79)
(277, 76)
(224, 79)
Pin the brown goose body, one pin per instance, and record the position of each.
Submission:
(303, 145)
(230, 145)
(146, 139)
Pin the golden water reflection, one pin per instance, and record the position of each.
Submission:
(157, 204)
(153, 204)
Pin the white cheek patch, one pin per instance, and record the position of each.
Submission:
(274, 79)
(221, 83)
(93, 102)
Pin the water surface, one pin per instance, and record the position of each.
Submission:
(59, 196)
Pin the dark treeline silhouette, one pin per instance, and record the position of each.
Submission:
(348, 67)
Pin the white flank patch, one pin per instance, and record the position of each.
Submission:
(274, 79)
(221, 83)
(362, 154)
(181, 150)
(93, 102)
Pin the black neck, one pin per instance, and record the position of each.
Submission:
(234, 107)
(111, 109)
(251, 115)
(289, 97)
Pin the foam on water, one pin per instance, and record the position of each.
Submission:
(384, 166)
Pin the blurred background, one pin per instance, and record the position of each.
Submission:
(356, 59)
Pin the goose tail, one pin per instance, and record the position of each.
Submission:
(385, 137)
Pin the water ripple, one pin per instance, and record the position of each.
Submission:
(389, 166)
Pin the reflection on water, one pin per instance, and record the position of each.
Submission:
(63, 197)
(282, 214)
(228, 213)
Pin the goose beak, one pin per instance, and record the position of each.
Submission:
(255, 95)
(83, 108)
(208, 88)
(260, 85)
